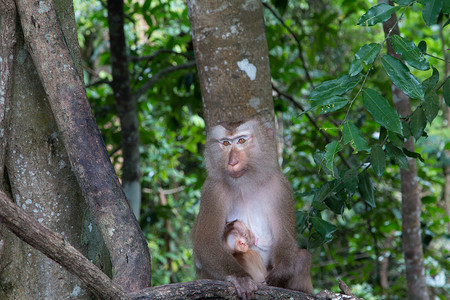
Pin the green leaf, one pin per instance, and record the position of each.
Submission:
(413, 154)
(335, 87)
(431, 10)
(402, 78)
(398, 156)
(378, 160)
(323, 192)
(396, 139)
(324, 228)
(365, 188)
(431, 106)
(422, 46)
(418, 123)
(410, 53)
(356, 67)
(331, 104)
(336, 204)
(348, 182)
(331, 150)
(368, 53)
(381, 110)
(404, 2)
(430, 83)
(377, 14)
(447, 91)
(351, 134)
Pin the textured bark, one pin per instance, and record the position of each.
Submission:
(7, 42)
(86, 150)
(126, 106)
(411, 202)
(37, 167)
(56, 247)
(232, 59)
(214, 289)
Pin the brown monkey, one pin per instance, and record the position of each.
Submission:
(239, 240)
(245, 183)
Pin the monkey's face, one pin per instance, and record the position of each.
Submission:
(231, 148)
(236, 150)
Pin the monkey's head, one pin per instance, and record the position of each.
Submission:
(237, 149)
(237, 237)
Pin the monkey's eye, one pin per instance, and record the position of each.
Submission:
(226, 143)
(241, 140)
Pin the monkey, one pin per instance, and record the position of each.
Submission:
(239, 240)
(244, 182)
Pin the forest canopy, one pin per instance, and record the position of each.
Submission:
(361, 97)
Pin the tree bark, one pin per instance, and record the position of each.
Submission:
(87, 153)
(126, 106)
(411, 202)
(232, 59)
(56, 247)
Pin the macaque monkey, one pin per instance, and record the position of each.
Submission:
(245, 183)
(239, 240)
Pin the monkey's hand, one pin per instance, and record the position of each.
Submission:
(245, 286)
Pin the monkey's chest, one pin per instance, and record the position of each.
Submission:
(256, 218)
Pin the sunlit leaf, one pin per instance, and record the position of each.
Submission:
(331, 104)
(381, 110)
(410, 53)
(351, 134)
(378, 160)
(402, 78)
(378, 14)
(335, 87)
(368, 53)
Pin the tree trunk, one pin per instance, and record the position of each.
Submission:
(40, 172)
(232, 59)
(40, 180)
(411, 202)
(126, 106)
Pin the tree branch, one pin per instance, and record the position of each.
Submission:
(149, 84)
(54, 246)
(297, 41)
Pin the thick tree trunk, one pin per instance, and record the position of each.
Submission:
(126, 106)
(411, 202)
(39, 178)
(232, 59)
(42, 179)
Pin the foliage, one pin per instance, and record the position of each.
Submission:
(342, 152)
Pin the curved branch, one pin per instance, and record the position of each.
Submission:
(149, 84)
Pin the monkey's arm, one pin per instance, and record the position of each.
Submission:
(291, 266)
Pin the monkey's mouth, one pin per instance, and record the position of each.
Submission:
(237, 174)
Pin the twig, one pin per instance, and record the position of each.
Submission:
(297, 40)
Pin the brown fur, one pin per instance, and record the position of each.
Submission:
(260, 197)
